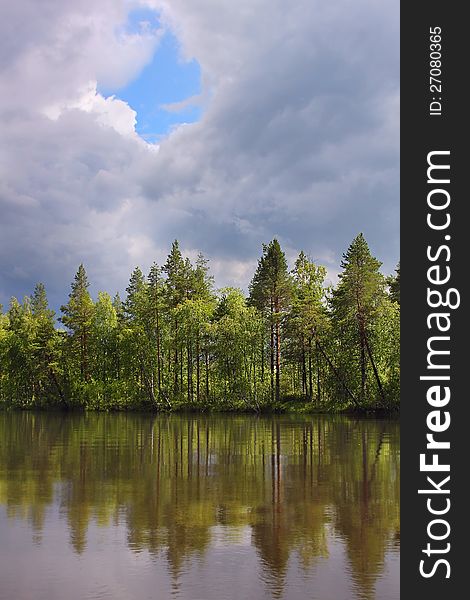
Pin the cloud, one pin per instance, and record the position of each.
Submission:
(196, 100)
(109, 112)
(299, 138)
(50, 49)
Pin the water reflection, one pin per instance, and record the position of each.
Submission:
(302, 507)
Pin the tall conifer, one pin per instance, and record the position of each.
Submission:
(77, 317)
(270, 291)
(355, 301)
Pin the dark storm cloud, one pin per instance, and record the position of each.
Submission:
(299, 139)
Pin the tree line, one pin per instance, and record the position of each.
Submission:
(174, 342)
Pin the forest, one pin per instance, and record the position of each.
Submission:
(175, 342)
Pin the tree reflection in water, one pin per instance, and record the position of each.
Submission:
(286, 486)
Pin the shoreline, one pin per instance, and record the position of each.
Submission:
(265, 411)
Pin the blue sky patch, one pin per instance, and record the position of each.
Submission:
(166, 80)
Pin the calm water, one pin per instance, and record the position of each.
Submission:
(128, 507)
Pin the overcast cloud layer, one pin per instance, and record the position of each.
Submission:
(299, 138)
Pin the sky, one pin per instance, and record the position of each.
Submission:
(125, 124)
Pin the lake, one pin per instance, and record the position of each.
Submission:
(191, 507)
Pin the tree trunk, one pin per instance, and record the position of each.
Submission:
(363, 360)
(271, 344)
(318, 374)
(376, 373)
(278, 360)
(182, 368)
(338, 376)
(175, 366)
(198, 369)
(159, 372)
(59, 389)
(310, 378)
(254, 378)
(304, 370)
(262, 358)
(188, 369)
(207, 376)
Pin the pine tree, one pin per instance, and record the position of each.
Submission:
(307, 318)
(40, 304)
(47, 351)
(156, 307)
(355, 302)
(134, 304)
(176, 270)
(394, 285)
(202, 305)
(77, 317)
(202, 281)
(269, 292)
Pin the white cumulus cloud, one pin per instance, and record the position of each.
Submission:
(298, 139)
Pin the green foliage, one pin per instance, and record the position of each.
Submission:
(77, 317)
(174, 343)
(394, 285)
(357, 302)
(269, 292)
